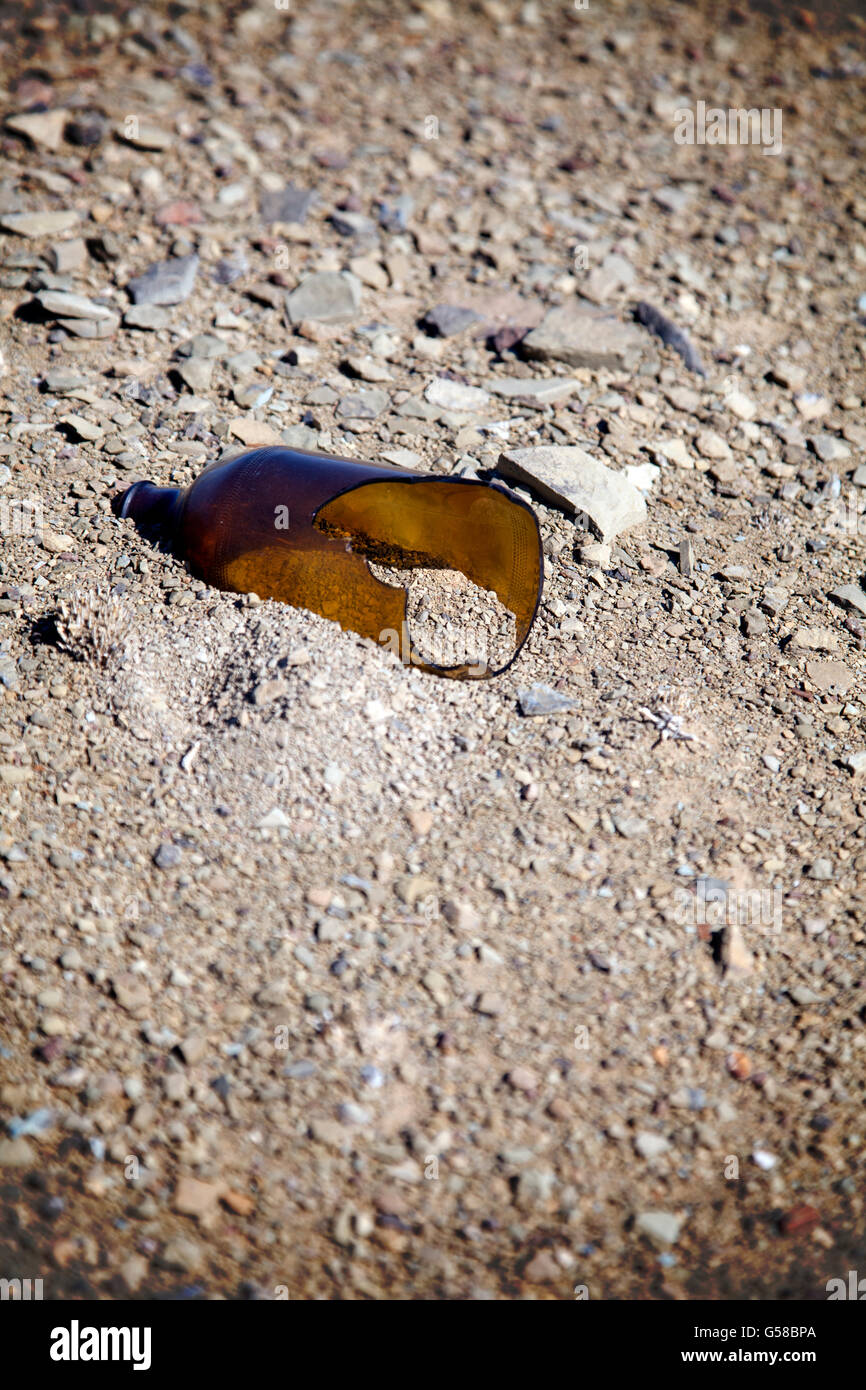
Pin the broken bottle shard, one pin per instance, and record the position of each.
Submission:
(301, 528)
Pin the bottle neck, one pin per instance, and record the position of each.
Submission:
(148, 505)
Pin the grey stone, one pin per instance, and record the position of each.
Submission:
(536, 390)
(206, 345)
(145, 135)
(328, 296)
(672, 199)
(40, 127)
(450, 319)
(240, 364)
(613, 274)
(38, 223)
(167, 856)
(300, 437)
(196, 373)
(568, 477)
(291, 204)
(661, 1227)
(60, 380)
(828, 448)
(364, 405)
(453, 395)
(146, 316)
(584, 336)
(353, 224)
(16, 1153)
(166, 282)
(91, 328)
(650, 1145)
(253, 394)
(541, 699)
(850, 596)
(790, 374)
(72, 306)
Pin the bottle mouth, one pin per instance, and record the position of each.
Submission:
(121, 501)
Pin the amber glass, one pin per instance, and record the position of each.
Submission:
(300, 527)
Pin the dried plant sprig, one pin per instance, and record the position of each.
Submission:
(92, 625)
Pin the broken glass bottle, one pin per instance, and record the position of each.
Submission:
(301, 528)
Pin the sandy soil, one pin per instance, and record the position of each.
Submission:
(327, 978)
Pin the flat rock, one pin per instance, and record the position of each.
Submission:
(253, 433)
(38, 223)
(815, 639)
(85, 429)
(69, 257)
(300, 437)
(17, 1153)
(712, 445)
(179, 213)
(353, 224)
(193, 1197)
(363, 405)
(166, 282)
(453, 395)
(614, 273)
(542, 699)
(149, 317)
(829, 449)
(850, 597)
(811, 405)
(57, 543)
(830, 675)
(450, 319)
(736, 956)
(584, 336)
(675, 451)
(368, 369)
(92, 328)
(790, 374)
(290, 204)
(660, 1227)
(252, 394)
(328, 296)
(61, 380)
(72, 306)
(144, 135)
(741, 405)
(196, 373)
(650, 1145)
(43, 128)
(643, 475)
(568, 477)
(535, 390)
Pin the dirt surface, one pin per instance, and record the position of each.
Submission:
(324, 978)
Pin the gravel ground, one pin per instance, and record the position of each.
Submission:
(324, 978)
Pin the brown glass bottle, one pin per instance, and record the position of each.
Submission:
(300, 527)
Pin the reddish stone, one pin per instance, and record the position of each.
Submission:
(801, 1218)
(739, 1065)
(32, 91)
(177, 214)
